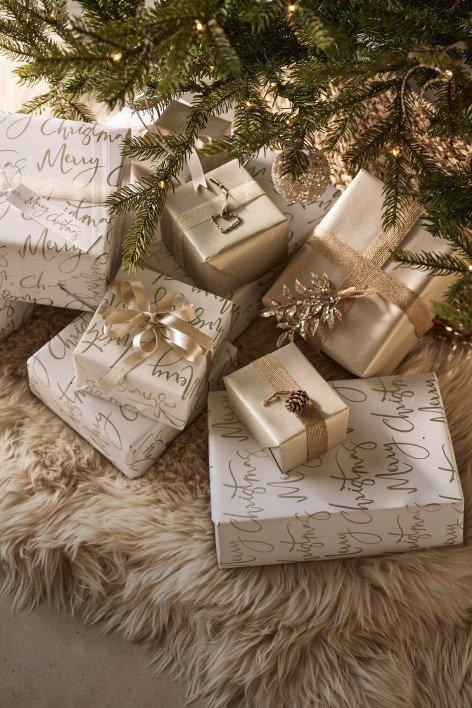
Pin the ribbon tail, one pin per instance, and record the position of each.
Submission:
(120, 369)
(196, 171)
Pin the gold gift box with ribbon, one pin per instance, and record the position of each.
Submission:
(227, 234)
(288, 406)
(150, 344)
(383, 307)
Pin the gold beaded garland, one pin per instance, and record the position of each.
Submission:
(310, 185)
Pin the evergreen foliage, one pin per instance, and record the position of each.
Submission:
(325, 59)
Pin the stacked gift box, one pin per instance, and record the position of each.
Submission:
(300, 469)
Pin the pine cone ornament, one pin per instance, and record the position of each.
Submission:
(297, 401)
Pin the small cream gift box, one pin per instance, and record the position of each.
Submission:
(13, 314)
(227, 234)
(130, 440)
(349, 245)
(164, 385)
(54, 225)
(391, 486)
(245, 301)
(288, 406)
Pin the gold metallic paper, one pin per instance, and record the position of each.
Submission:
(223, 261)
(292, 439)
(375, 333)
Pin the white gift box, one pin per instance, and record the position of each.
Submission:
(392, 486)
(166, 385)
(131, 441)
(54, 224)
(13, 314)
(245, 301)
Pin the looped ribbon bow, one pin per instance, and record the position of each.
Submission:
(169, 322)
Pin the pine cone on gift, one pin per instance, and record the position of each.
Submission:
(297, 401)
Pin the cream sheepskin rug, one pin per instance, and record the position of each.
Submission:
(138, 557)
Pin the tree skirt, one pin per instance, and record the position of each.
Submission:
(139, 557)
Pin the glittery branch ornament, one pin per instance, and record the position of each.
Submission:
(309, 307)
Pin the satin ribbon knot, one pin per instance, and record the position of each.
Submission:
(169, 322)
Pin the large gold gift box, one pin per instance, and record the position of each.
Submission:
(375, 332)
(225, 235)
(260, 395)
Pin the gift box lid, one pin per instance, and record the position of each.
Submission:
(398, 453)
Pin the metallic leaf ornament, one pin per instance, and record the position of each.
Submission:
(309, 186)
(309, 307)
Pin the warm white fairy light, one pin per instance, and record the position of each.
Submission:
(115, 55)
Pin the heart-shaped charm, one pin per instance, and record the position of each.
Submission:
(227, 221)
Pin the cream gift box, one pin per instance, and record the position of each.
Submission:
(225, 235)
(374, 334)
(392, 486)
(54, 224)
(13, 314)
(260, 395)
(166, 385)
(131, 441)
(245, 301)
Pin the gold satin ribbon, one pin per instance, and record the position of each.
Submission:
(169, 322)
(366, 271)
(311, 417)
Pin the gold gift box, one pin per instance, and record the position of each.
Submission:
(374, 334)
(273, 425)
(222, 252)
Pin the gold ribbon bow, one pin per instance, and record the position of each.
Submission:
(169, 322)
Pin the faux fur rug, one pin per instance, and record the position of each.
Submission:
(138, 557)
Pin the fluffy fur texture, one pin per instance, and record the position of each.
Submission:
(138, 557)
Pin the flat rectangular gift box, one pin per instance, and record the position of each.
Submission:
(54, 225)
(225, 235)
(166, 385)
(374, 334)
(13, 314)
(392, 486)
(258, 393)
(131, 441)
